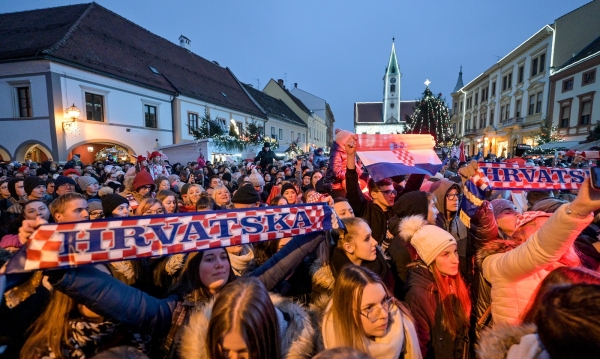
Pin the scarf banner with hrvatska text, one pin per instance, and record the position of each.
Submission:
(392, 155)
(59, 245)
(513, 176)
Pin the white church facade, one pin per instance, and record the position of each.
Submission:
(386, 117)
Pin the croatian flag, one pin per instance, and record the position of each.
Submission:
(392, 155)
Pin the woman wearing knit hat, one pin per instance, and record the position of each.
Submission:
(288, 191)
(338, 162)
(138, 188)
(115, 205)
(436, 294)
(89, 187)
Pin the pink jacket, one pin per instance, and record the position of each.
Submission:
(338, 162)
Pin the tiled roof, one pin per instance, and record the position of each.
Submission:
(590, 49)
(370, 112)
(274, 107)
(93, 38)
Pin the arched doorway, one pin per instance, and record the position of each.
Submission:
(98, 151)
(4, 155)
(34, 151)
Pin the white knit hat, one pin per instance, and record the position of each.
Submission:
(428, 240)
(256, 179)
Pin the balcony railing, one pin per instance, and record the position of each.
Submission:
(512, 121)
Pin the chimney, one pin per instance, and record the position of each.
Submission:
(185, 42)
(280, 82)
(295, 84)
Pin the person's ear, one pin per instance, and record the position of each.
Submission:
(58, 217)
(349, 247)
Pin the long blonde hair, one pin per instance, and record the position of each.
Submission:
(347, 296)
(51, 329)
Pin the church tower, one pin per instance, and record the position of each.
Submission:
(391, 90)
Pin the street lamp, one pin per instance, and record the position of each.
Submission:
(71, 126)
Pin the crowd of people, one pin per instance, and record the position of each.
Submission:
(403, 276)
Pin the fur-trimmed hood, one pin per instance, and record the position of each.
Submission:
(494, 247)
(322, 276)
(297, 342)
(510, 342)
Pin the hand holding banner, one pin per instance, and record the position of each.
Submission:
(61, 245)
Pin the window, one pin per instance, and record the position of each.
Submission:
(484, 94)
(538, 65)
(567, 85)
(534, 67)
(588, 77)
(518, 109)
(240, 128)
(538, 107)
(482, 120)
(565, 116)
(272, 131)
(520, 74)
(461, 106)
(303, 138)
(392, 105)
(507, 114)
(94, 107)
(476, 98)
(455, 107)
(292, 136)
(502, 111)
(24, 100)
(531, 105)
(507, 82)
(392, 88)
(494, 88)
(192, 122)
(150, 116)
(281, 134)
(492, 116)
(585, 110)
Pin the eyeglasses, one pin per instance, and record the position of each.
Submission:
(96, 215)
(389, 192)
(453, 196)
(373, 313)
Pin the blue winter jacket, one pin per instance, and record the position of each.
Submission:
(119, 302)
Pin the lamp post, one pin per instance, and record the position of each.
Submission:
(71, 126)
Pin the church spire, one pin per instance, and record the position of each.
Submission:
(391, 89)
(459, 82)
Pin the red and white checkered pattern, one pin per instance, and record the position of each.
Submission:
(529, 216)
(46, 243)
(401, 151)
(536, 184)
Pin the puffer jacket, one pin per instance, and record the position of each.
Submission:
(336, 171)
(511, 342)
(294, 322)
(121, 303)
(514, 274)
(318, 160)
(421, 297)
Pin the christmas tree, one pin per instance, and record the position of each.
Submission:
(548, 133)
(431, 116)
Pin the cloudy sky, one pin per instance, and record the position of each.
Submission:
(337, 49)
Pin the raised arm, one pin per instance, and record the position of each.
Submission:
(114, 299)
(549, 243)
(357, 200)
(283, 262)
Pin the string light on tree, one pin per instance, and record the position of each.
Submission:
(431, 116)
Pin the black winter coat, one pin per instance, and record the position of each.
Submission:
(422, 299)
(266, 158)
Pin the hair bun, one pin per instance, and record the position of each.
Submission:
(411, 225)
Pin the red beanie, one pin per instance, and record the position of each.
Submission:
(23, 168)
(143, 178)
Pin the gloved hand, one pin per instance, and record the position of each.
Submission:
(469, 171)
